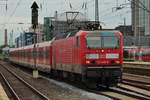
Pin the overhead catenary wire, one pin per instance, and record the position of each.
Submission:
(109, 11)
(115, 16)
(7, 19)
(4, 4)
(142, 5)
(11, 15)
(80, 6)
(89, 3)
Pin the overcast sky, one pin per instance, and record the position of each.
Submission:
(19, 11)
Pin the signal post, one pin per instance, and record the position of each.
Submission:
(34, 9)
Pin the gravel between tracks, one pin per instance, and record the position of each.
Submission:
(57, 90)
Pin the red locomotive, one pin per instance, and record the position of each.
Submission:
(91, 56)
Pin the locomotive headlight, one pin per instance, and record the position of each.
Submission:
(87, 62)
(92, 56)
(112, 56)
(117, 62)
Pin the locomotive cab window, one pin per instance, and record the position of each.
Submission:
(102, 40)
(93, 41)
(110, 42)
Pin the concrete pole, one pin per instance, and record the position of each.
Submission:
(35, 70)
(124, 31)
(5, 38)
(96, 11)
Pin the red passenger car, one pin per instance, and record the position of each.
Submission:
(29, 56)
(137, 53)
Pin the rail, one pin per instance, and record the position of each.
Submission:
(27, 84)
(11, 90)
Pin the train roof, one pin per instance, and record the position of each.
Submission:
(95, 31)
(43, 44)
(82, 32)
(14, 49)
(108, 30)
(28, 47)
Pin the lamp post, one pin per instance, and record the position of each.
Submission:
(34, 8)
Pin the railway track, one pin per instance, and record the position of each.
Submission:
(19, 88)
(136, 86)
(139, 68)
(138, 81)
(49, 88)
(12, 93)
(117, 93)
(138, 78)
(134, 89)
(123, 91)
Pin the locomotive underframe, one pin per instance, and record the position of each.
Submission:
(102, 75)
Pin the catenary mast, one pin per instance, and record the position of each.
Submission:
(96, 11)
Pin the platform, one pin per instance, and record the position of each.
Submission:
(3, 95)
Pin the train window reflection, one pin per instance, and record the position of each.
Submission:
(109, 42)
(102, 41)
(94, 42)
